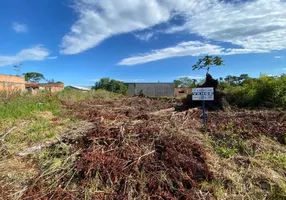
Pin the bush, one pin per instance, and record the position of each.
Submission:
(261, 92)
(111, 85)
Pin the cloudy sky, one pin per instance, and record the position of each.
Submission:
(80, 41)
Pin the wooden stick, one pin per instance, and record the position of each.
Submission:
(7, 133)
(3, 137)
(146, 155)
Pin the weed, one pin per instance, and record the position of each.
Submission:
(228, 145)
(277, 159)
(226, 152)
(277, 193)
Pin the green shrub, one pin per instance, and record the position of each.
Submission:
(111, 85)
(261, 92)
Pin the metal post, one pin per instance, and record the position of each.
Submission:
(204, 112)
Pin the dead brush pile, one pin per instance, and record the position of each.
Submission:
(141, 161)
(134, 155)
(124, 108)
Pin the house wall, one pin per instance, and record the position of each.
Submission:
(52, 87)
(11, 83)
(35, 88)
(151, 89)
(182, 91)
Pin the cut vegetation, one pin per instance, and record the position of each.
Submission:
(98, 145)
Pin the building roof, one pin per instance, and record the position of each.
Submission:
(83, 88)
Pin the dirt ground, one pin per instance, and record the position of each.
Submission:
(141, 148)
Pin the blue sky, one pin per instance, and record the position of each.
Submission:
(81, 41)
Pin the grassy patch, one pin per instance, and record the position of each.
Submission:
(21, 106)
(31, 133)
(71, 96)
(276, 159)
(228, 145)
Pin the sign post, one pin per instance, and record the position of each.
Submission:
(203, 94)
(204, 112)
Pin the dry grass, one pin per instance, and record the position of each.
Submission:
(249, 176)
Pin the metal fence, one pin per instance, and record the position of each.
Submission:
(151, 89)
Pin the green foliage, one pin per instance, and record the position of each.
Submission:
(260, 92)
(236, 80)
(207, 62)
(33, 77)
(185, 82)
(111, 85)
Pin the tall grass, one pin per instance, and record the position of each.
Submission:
(22, 105)
(19, 105)
(70, 95)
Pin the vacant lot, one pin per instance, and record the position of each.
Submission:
(102, 147)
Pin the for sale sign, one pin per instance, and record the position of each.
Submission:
(206, 94)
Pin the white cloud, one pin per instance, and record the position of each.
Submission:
(101, 19)
(255, 26)
(284, 69)
(145, 36)
(278, 57)
(32, 54)
(190, 48)
(18, 27)
(52, 57)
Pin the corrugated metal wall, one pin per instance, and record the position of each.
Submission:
(152, 89)
(131, 89)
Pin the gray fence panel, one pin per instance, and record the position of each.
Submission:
(155, 89)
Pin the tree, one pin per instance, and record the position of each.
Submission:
(178, 83)
(18, 69)
(207, 62)
(236, 80)
(185, 82)
(50, 81)
(111, 85)
(34, 77)
(243, 77)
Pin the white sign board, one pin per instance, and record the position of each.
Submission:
(200, 94)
